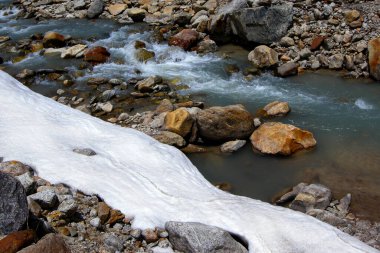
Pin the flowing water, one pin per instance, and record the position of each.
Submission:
(344, 115)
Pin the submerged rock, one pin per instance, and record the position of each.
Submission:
(144, 55)
(194, 237)
(281, 139)
(374, 58)
(13, 204)
(225, 123)
(263, 56)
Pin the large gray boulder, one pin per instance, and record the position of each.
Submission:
(13, 204)
(194, 237)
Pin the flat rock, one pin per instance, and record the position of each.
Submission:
(232, 146)
(170, 138)
(46, 199)
(277, 108)
(193, 237)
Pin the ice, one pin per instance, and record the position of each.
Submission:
(153, 182)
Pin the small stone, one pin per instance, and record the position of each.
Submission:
(232, 146)
(150, 235)
(135, 233)
(287, 42)
(27, 182)
(113, 242)
(95, 9)
(95, 222)
(84, 151)
(136, 14)
(336, 61)
(68, 207)
(288, 69)
(123, 116)
(115, 216)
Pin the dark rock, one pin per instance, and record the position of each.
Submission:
(193, 237)
(1, 60)
(288, 69)
(13, 204)
(49, 243)
(84, 151)
(46, 199)
(53, 39)
(184, 39)
(15, 241)
(95, 9)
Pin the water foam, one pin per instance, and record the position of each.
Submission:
(362, 104)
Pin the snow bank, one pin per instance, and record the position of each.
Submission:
(144, 178)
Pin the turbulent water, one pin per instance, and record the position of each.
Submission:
(344, 115)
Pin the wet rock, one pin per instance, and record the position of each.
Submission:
(96, 54)
(46, 199)
(136, 14)
(27, 182)
(344, 204)
(196, 237)
(4, 39)
(263, 56)
(148, 84)
(282, 139)
(25, 73)
(116, 9)
(374, 58)
(192, 149)
(184, 39)
(48, 243)
(139, 44)
(206, 46)
(314, 196)
(84, 151)
(103, 212)
(170, 138)
(95, 9)
(179, 122)
(289, 196)
(277, 108)
(336, 61)
(223, 124)
(231, 69)
(262, 25)
(165, 106)
(15, 241)
(288, 69)
(74, 51)
(53, 39)
(144, 55)
(14, 168)
(232, 146)
(13, 204)
(150, 235)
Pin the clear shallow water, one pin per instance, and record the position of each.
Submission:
(344, 115)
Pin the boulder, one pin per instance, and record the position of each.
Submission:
(184, 39)
(95, 9)
(74, 51)
(53, 39)
(48, 243)
(288, 69)
(194, 237)
(13, 204)
(15, 241)
(232, 146)
(179, 122)
(116, 9)
(170, 138)
(263, 56)
(277, 108)
(262, 25)
(144, 55)
(223, 124)
(374, 58)
(165, 106)
(282, 139)
(96, 54)
(136, 14)
(314, 196)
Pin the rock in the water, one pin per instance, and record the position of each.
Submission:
(170, 138)
(74, 51)
(262, 25)
(374, 58)
(16, 241)
(184, 39)
(277, 108)
(53, 39)
(148, 84)
(96, 54)
(48, 243)
(232, 146)
(282, 139)
(13, 204)
(314, 196)
(46, 199)
(136, 14)
(84, 151)
(288, 69)
(227, 123)
(144, 55)
(193, 237)
(179, 122)
(14, 168)
(206, 46)
(95, 9)
(263, 56)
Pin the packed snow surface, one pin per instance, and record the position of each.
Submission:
(143, 178)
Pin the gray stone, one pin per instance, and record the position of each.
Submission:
(262, 25)
(314, 196)
(95, 9)
(68, 206)
(84, 151)
(27, 182)
(232, 146)
(196, 237)
(336, 61)
(170, 138)
(95, 222)
(46, 199)
(79, 4)
(305, 53)
(344, 204)
(13, 204)
(289, 196)
(135, 233)
(107, 95)
(113, 242)
(288, 69)
(287, 42)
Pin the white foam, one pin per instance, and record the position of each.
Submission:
(142, 177)
(362, 104)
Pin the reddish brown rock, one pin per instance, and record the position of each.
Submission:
(184, 39)
(374, 58)
(103, 212)
(150, 235)
(16, 241)
(53, 39)
(115, 216)
(281, 139)
(317, 42)
(96, 54)
(50, 243)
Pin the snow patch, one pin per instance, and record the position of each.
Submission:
(142, 177)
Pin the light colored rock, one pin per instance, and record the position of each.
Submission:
(95, 9)
(179, 122)
(288, 69)
(283, 139)
(148, 84)
(314, 196)
(232, 146)
(27, 182)
(170, 138)
(336, 61)
(287, 42)
(68, 207)
(277, 108)
(136, 14)
(116, 9)
(73, 51)
(95, 222)
(46, 199)
(263, 56)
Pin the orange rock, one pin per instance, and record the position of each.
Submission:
(374, 58)
(115, 216)
(16, 241)
(96, 54)
(184, 39)
(317, 42)
(179, 122)
(103, 212)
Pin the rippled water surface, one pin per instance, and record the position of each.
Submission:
(344, 115)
